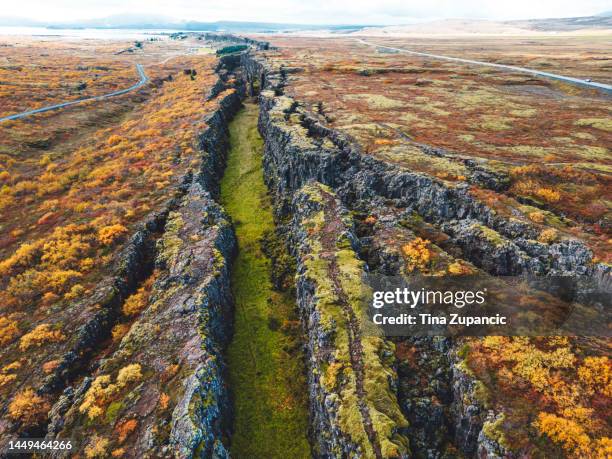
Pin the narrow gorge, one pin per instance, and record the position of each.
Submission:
(266, 365)
(253, 341)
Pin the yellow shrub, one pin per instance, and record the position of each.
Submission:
(101, 390)
(97, 394)
(548, 236)
(97, 448)
(128, 374)
(569, 434)
(28, 407)
(23, 256)
(16, 365)
(596, 374)
(87, 264)
(109, 234)
(66, 248)
(119, 331)
(135, 303)
(548, 194)
(58, 280)
(114, 140)
(537, 217)
(417, 253)
(459, 269)
(6, 379)
(8, 330)
(75, 292)
(5, 376)
(42, 334)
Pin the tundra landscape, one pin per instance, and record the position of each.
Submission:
(183, 246)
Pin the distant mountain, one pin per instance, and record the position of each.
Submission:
(9, 21)
(601, 21)
(143, 21)
(452, 27)
(123, 20)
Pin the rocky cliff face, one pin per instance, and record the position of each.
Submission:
(352, 381)
(300, 150)
(180, 364)
(163, 384)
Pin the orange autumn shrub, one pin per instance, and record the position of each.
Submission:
(135, 303)
(8, 330)
(417, 254)
(97, 448)
(548, 194)
(125, 428)
(109, 234)
(568, 394)
(119, 331)
(28, 408)
(164, 399)
(41, 335)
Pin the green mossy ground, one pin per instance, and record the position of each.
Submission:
(266, 369)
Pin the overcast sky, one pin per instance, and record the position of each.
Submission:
(304, 11)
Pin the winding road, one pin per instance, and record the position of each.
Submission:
(143, 80)
(576, 81)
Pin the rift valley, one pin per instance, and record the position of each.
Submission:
(182, 265)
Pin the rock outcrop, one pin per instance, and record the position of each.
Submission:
(299, 150)
(352, 381)
(164, 384)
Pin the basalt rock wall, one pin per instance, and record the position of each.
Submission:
(299, 150)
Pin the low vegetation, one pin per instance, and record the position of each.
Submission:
(551, 141)
(266, 371)
(569, 392)
(75, 185)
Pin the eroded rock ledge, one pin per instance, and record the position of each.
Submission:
(301, 153)
(175, 403)
(352, 381)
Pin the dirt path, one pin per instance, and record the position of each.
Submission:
(266, 368)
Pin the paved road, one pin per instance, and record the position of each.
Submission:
(143, 80)
(576, 81)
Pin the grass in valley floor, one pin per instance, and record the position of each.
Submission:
(266, 370)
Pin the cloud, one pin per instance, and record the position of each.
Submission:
(299, 11)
